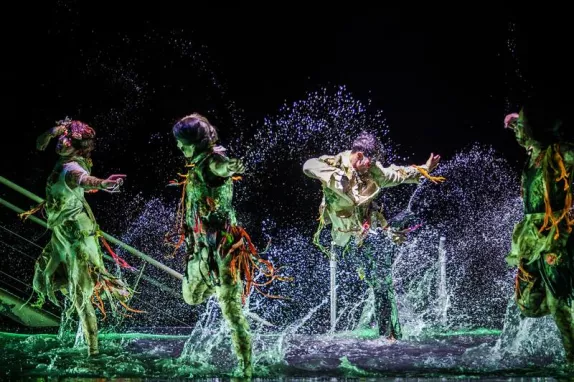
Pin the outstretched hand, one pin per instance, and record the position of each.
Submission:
(113, 182)
(236, 166)
(432, 162)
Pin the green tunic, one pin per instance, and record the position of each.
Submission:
(543, 251)
(72, 261)
(209, 218)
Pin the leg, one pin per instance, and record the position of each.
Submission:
(84, 263)
(368, 310)
(195, 287)
(562, 314)
(50, 271)
(530, 293)
(385, 303)
(88, 320)
(333, 270)
(367, 273)
(229, 296)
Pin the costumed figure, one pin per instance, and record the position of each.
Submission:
(72, 262)
(351, 182)
(542, 244)
(221, 259)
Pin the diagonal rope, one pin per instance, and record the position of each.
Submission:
(17, 250)
(14, 278)
(21, 237)
(31, 242)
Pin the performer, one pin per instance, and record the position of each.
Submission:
(351, 182)
(542, 244)
(221, 259)
(72, 261)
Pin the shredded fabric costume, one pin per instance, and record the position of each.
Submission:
(72, 261)
(348, 206)
(221, 258)
(542, 244)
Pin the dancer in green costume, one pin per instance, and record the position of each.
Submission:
(221, 259)
(542, 244)
(72, 261)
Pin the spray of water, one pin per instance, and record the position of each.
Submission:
(475, 211)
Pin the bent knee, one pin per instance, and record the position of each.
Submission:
(531, 310)
(195, 293)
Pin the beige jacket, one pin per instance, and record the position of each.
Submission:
(347, 197)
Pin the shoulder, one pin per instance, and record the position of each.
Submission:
(73, 166)
(219, 153)
(321, 162)
(336, 160)
(216, 159)
(567, 151)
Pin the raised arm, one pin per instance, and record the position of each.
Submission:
(395, 175)
(44, 139)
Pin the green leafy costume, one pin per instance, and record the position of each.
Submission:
(542, 244)
(72, 261)
(221, 257)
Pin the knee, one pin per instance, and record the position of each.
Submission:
(232, 310)
(559, 307)
(189, 296)
(533, 313)
(532, 310)
(195, 293)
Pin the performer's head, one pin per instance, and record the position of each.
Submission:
(75, 138)
(515, 122)
(540, 122)
(194, 135)
(365, 151)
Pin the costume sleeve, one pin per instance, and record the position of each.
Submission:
(224, 167)
(395, 175)
(332, 177)
(78, 176)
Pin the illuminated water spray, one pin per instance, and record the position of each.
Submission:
(450, 276)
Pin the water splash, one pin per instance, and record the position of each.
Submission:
(517, 85)
(475, 210)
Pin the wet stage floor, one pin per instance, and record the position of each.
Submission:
(159, 357)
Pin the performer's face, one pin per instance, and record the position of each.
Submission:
(187, 150)
(361, 163)
(521, 138)
(512, 122)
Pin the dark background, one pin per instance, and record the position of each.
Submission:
(444, 78)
